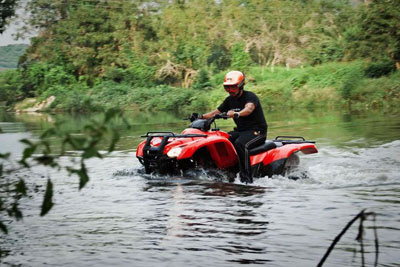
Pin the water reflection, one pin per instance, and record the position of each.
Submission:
(199, 212)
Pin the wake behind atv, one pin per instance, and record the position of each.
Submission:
(199, 146)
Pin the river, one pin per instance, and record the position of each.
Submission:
(126, 218)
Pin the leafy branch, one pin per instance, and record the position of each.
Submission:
(42, 153)
(362, 216)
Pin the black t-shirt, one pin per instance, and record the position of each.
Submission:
(255, 121)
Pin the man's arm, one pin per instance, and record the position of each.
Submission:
(246, 111)
(210, 114)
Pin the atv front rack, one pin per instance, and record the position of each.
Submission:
(171, 134)
(154, 155)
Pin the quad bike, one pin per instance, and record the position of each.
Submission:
(199, 146)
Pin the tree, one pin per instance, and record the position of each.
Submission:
(375, 33)
(240, 58)
(7, 10)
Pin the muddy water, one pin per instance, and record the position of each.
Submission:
(126, 218)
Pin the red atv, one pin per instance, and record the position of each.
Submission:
(199, 146)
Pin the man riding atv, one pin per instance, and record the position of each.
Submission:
(245, 109)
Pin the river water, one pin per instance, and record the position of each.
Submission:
(126, 218)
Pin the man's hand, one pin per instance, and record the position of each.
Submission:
(194, 117)
(230, 113)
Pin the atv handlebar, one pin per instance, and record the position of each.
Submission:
(221, 116)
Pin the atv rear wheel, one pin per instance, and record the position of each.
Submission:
(291, 164)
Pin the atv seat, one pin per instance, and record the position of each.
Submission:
(268, 145)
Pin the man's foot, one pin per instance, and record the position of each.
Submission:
(246, 178)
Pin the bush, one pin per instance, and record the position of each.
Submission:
(114, 73)
(41, 76)
(219, 57)
(202, 80)
(10, 85)
(379, 69)
(241, 60)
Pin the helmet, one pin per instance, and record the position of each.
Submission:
(234, 78)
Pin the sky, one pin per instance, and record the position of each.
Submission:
(6, 38)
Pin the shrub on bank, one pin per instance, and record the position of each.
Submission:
(10, 85)
(327, 85)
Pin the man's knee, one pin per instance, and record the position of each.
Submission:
(239, 143)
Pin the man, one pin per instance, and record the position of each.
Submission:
(245, 109)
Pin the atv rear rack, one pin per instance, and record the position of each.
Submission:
(287, 139)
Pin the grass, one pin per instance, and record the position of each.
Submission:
(329, 85)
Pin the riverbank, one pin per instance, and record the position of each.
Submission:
(354, 85)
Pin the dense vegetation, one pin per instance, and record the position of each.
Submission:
(167, 54)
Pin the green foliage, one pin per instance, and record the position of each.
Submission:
(10, 85)
(374, 32)
(48, 198)
(115, 74)
(74, 98)
(41, 153)
(130, 53)
(219, 57)
(40, 77)
(326, 52)
(379, 69)
(326, 85)
(202, 80)
(240, 58)
(130, 41)
(189, 54)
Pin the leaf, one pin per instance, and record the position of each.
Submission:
(115, 138)
(46, 160)
(84, 178)
(4, 156)
(48, 133)
(90, 152)
(27, 153)
(15, 211)
(3, 227)
(26, 141)
(82, 173)
(20, 187)
(111, 113)
(76, 142)
(48, 197)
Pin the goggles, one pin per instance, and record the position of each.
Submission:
(231, 88)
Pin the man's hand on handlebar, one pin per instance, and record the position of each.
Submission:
(221, 116)
(194, 116)
(233, 113)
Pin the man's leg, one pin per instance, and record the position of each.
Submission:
(233, 135)
(245, 141)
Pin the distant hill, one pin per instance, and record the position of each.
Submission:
(9, 55)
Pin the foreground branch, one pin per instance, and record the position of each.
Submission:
(362, 216)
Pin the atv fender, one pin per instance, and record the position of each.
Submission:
(220, 148)
(282, 152)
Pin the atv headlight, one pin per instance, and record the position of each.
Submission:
(174, 152)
